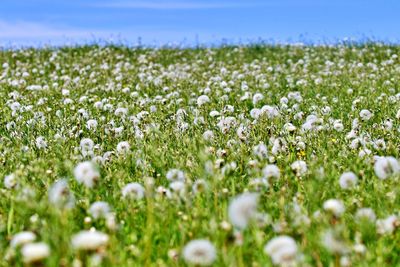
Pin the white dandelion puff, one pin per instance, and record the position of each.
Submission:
(133, 191)
(242, 209)
(348, 180)
(89, 240)
(86, 173)
(282, 250)
(35, 252)
(199, 252)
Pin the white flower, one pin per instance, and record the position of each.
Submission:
(386, 167)
(199, 186)
(86, 173)
(242, 209)
(175, 175)
(282, 250)
(271, 171)
(35, 252)
(41, 142)
(299, 167)
(86, 146)
(260, 151)
(123, 147)
(10, 181)
(89, 240)
(366, 115)
(177, 186)
(387, 226)
(338, 126)
(203, 99)
(133, 190)
(99, 209)
(348, 180)
(199, 252)
(334, 206)
(60, 195)
(366, 214)
(208, 135)
(257, 98)
(22, 238)
(333, 242)
(269, 111)
(91, 124)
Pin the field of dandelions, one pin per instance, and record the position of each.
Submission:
(230, 156)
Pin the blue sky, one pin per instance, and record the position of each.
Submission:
(176, 21)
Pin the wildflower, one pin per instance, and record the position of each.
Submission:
(348, 180)
(10, 181)
(86, 146)
(257, 98)
(299, 167)
(41, 142)
(35, 252)
(334, 206)
(22, 238)
(99, 209)
(91, 124)
(242, 209)
(387, 225)
(386, 167)
(199, 252)
(203, 99)
(123, 147)
(366, 115)
(271, 171)
(199, 186)
(260, 151)
(89, 240)
(60, 195)
(133, 191)
(334, 243)
(208, 135)
(282, 250)
(366, 214)
(86, 173)
(175, 175)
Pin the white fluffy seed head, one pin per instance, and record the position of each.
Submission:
(366, 214)
(387, 225)
(282, 250)
(365, 115)
(133, 191)
(123, 148)
(22, 238)
(86, 173)
(299, 167)
(386, 167)
(334, 206)
(271, 171)
(348, 180)
(60, 195)
(89, 240)
(10, 181)
(35, 252)
(242, 209)
(175, 175)
(199, 252)
(99, 209)
(203, 99)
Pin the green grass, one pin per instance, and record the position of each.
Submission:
(148, 230)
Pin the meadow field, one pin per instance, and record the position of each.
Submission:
(259, 155)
